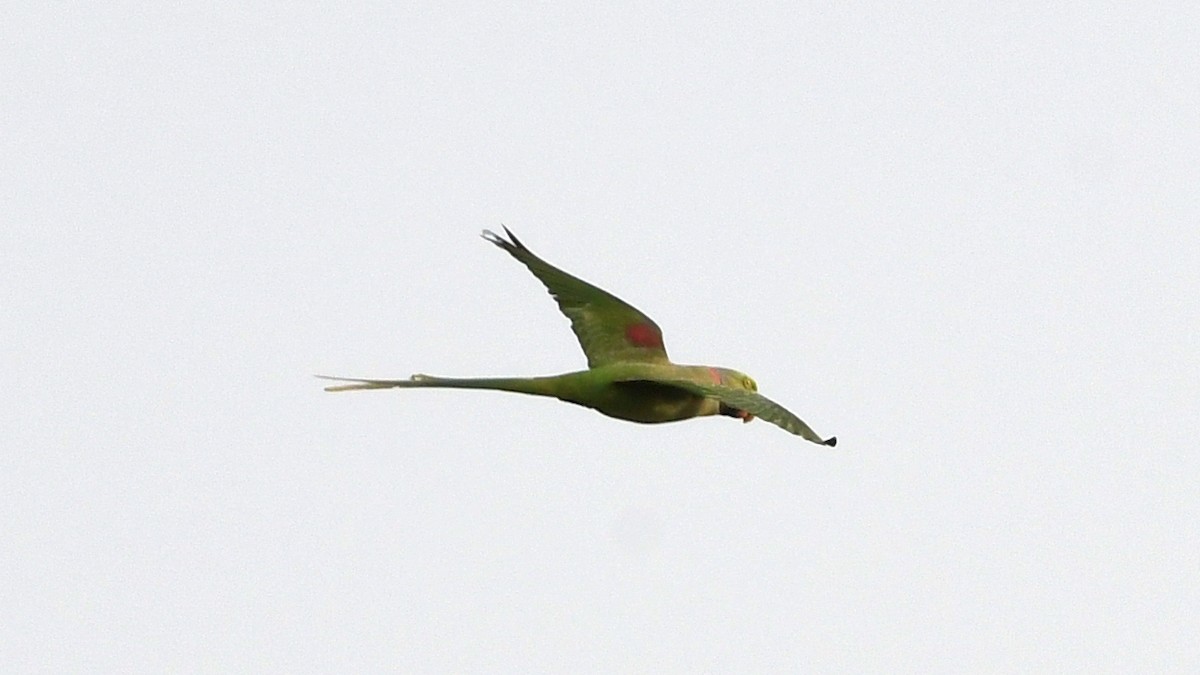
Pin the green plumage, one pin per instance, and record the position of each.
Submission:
(629, 376)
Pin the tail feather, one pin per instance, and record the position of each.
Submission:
(538, 386)
(359, 385)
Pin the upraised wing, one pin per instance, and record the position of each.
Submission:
(752, 402)
(609, 329)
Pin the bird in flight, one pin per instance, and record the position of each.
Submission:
(629, 376)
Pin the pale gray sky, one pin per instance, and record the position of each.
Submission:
(961, 238)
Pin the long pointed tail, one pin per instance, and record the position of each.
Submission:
(414, 381)
(523, 385)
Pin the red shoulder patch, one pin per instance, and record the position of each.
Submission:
(644, 335)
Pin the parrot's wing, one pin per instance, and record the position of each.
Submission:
(608, 329)
(752, 402)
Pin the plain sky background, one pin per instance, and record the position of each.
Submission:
(962, 237)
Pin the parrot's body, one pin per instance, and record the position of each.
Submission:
(629, 376)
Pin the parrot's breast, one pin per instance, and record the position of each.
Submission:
(651, 402)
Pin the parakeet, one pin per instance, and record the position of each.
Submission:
(629, 376)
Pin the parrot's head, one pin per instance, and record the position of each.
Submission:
(732, 378)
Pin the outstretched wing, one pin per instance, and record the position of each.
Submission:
(608, 329)
(752, 402)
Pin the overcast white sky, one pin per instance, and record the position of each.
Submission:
(964, 239)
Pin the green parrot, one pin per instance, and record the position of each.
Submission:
(629, 376)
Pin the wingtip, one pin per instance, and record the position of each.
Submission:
(511, 244)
